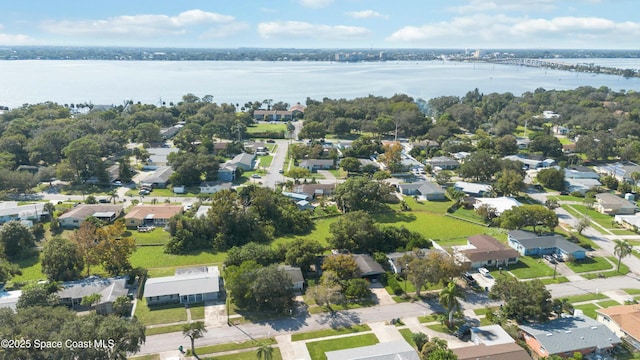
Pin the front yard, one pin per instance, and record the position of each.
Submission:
(317, 349)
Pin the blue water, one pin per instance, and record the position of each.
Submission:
(112, 82)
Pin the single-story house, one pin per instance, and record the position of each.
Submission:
(443, 163)
(76, 216)
(624, 321)
(203, 210)
(114, 172)
(314, 165)
(568, 335)
(188, 285)
(397, 266)
(369, 268)
(272, 115)
(500, 204)
(314, 190)
(461, 155)
(484, 250)
(491, 342)
(580, 185)
(522, 143)
(473, 189)
(620, 170)
(212, 187)
(179, 189)
(630, 222)
(305, 205)
(159, 178)
(227, 172)
(151, 215)
(170, 132)
(295, 274)
(526, 162)
(158, 156)
(244, 160)
(9, 299)
(10, 210)
(423, 189)
(580, 172)
(368, 162)
(409, 163)
(394, 350)
(531, 244)
(28, 168)
(109, 290)
(612, 204)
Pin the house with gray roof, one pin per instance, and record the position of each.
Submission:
(369, 268)
(103, 212)
(443, 163)
(212, 187)
(473, 189)
(227, 172)
(581, 185)
(295, 274)
(394, 350)
(580, 172)
(622, 171)
(425, 190)
(244, 161)
(531, 244)
(612, 204)
(158, 155)
(314, 165)
(567, 335)
(159, 178)
(109, 289)
(10, 210)
(188, 285)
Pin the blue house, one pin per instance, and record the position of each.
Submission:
(531, 244)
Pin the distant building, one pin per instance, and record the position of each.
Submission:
(10, 210)
(611, 204)
(245, 161)
(369, 268)
(159, 178)
(622, 171)
(491, 342)
(314, 165)
(581, 186)
(158, 156)
(313, 190)
(443, 163)
(212, 187)
(473, 189)
(500, 204)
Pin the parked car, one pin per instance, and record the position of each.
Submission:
(558, 257)
(271, 141)
(256, 176)
(550, 259)
(462, 331)
(468, 278)
(281, 171)
(484, 272)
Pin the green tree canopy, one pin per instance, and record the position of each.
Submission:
(61, 260)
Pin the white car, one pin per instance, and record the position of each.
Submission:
(484, 272)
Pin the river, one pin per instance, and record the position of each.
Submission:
(112, 82)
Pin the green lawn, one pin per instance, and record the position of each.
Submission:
(585, 297)
(197, 311)
(266, 127)
(557, 280)
(163, 329)
(265, 161)
(330, 332)
(233, 346)
(156, 236)
(246, 355)
(161, 314)
(528, 268)
(440, 328)
(151, 257)
(31, 269)
(588, 309)
(632, 291)
(317, 349)
(406, 334)
(608, 303)
(146, 357)
(603, 220)
(589, 264)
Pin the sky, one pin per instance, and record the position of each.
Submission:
(450, 24)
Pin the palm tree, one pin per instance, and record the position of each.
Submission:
(264, 351)
(622, 249)
(193, 331)
(449, 299)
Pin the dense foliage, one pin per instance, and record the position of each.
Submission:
(254, 287)
(524, 300)
(251, 214)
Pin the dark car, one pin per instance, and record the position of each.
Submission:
(462, 331)
(468, 278)
(550, 259)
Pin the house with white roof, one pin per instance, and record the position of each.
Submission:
(580, 185)
(500, 204)
(630, 222)
(188, 285)
(473, 189)
(394, 350)
(580, 172)
(10, 210)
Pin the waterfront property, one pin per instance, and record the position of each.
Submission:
(188, 285)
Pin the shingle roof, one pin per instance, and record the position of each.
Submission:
(532, 240)
(613, 201)
(488, 248)
(164, 211)
(395, 350)
(108, 288)
(626, 316)
(161, 175)
(243, 158)
(294, 273)
(83, 211)
(496, 352)
(186, 282)
(571, 333)
(368, 266)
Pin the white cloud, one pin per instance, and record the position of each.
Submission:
(138, 25)
(297, 29)
(366, 14)
(476, 6)
(315, 4)
(224, 31)
(16, 39)
(483, 30)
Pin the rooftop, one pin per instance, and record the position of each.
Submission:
(396, 350)
(164, 211)
(626, 316)
(83, 211)
(532, 240)
(510, 351)
(186, 281)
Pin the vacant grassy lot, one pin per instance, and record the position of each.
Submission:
(31, 269)
(151, 257)
(603, 220)
(233, 346)
(330, 332)
(589, 264)
(528, 268)
(157, 236)
(265, 161)
(162, 314)
(317, 349)
(266, 127)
